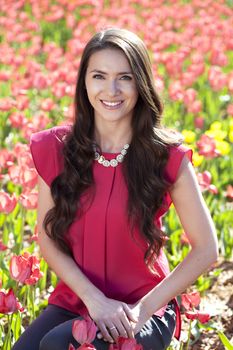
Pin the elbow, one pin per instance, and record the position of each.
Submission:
(211, 254)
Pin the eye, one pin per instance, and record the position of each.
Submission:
(98, 76)
(126, 77)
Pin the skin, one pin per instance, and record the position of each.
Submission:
(112, 131)
(105, 82)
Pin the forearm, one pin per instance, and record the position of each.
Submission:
(195, 263)
(67, 270)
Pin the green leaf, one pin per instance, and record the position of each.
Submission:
(225, 341)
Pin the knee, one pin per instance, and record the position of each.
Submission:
(54, 341)
(49, 342)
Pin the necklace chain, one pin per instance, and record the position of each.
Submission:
(113, 162)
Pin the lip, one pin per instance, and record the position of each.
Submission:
(115, 104)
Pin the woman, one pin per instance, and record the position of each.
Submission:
(104, 184)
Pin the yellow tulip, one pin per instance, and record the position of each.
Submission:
(231, 125)
(189, 136)
(231, 135)
(197, 159)
(223, 147)
(217, 134)
(216, 125)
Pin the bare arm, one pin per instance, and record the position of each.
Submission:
(104, 311)
(199, 228)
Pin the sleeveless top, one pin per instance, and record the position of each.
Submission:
(100, 241)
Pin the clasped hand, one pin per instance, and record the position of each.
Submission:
(115, 318)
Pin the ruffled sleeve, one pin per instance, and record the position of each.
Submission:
(46, 150)
(176, 155)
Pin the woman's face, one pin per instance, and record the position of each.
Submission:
(111, 87)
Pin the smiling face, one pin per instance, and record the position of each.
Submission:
(111, 87)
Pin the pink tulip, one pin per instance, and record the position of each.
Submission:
(207, 147)
(230, 109)
(218, 57)
(84, 331)
(197, 315)
(28, 177)
(217, 79)
(6, 104)
(189, 96)
(230, 82)
(190, 300)
(71, 347)
(128, 344)
(6, 158)
(9, 303)
(204, 180)
(229, 192)
(17, 120)
(195, 107)
(3, 247)
(86, 347)
(199, 122)
(47, 104)
(25, 268)
(7, 202)
(29, 200)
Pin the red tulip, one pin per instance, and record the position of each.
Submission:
(84, 331)
(29, 200)
(2, 247)
(229, 193)
(86, 346)
(204, 180)
(126, 344)
(7, 202)
(71, 347)
(196, 315)
(190, 300)
(199, 122)
(207, 147)
(9, 303)
(25, 268)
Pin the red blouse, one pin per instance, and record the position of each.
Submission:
(100, 240)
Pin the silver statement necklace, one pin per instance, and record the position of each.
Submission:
(113, 162)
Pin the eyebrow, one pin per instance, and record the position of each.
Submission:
(101, 72)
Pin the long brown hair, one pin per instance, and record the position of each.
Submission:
(146, 158)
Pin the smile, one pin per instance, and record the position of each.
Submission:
(111, 104)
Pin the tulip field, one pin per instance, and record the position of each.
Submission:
(191, 49)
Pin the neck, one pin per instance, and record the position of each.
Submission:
(111, 139)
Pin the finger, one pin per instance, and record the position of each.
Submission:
(122, 330)
(131, 316)
(113, 331)
(105, 333)
(127, 327)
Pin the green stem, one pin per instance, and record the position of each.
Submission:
(8, 337)
(189, 334)
(31, 296)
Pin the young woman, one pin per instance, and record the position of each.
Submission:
(104, 184)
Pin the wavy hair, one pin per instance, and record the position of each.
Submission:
(147, 156)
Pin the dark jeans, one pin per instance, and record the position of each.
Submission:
(52, 330)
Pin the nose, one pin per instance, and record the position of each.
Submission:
(113, 88)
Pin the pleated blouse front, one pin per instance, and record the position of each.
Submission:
(103, 246)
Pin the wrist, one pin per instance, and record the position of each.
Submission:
(91, 295)
(146, 306)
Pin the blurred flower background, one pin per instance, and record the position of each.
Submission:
(191, 49)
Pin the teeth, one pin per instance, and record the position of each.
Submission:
(112, 104)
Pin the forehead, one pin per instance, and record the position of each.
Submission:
(109, 60)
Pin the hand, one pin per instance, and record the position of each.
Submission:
(139, 313)
(113, 318)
